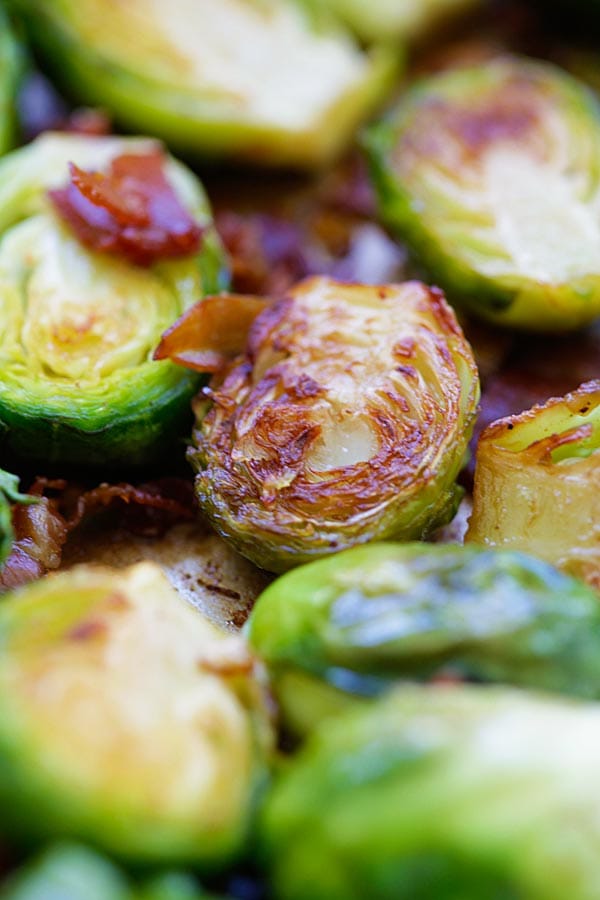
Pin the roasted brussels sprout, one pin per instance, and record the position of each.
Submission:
(440, 794)
(258, 80)
(127, 720)
(9, 494)
(537, 479)
(364, 618)
(491, 174)
(346, 420)
(401, 19)
(78, 326)
(10, 74)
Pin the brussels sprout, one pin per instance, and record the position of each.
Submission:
(9, 494)
(537, 479)
(78, 327)
(491, 174)
(447, 793)
(401, 19)
(127, 719)
(67, 872)
(364, 618)
(346, 420)
(257, 79)
(10, 75)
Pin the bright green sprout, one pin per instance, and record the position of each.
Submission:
(349, 626)
(442, 793)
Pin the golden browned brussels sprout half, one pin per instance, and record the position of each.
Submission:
(78, 326)
(345, 421)
(127, 719)
(258, 79)
(463, 793)
(492, 175)
(378, 20)
(537, 483)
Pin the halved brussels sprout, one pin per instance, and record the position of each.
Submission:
(380, 20)
(11, 66)
(257, 79)
(537, 479)
(453, 793)
(127, 719)
(365, 618)
(491, 173)
(78, 327)
(346, 420)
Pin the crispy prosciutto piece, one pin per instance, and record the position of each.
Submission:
(42, 530)
(211, 332)
(40, 534)
(131, 211)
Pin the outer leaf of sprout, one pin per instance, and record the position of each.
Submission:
(9, 494)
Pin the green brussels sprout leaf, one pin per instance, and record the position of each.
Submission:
(9, 494)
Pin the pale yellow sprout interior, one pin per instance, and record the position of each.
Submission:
(502, 162)
(75, 314)
(547, 228)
